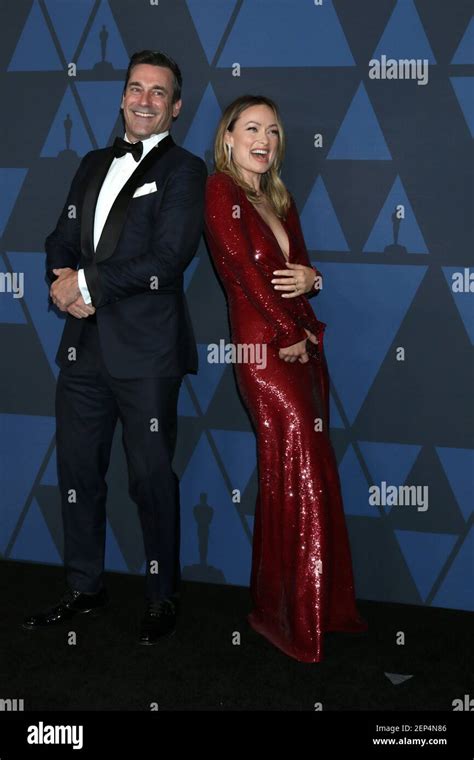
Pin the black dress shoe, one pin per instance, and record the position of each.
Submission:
(71, 603)
(159, 621)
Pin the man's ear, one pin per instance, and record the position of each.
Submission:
(177, 108)
(121, 104)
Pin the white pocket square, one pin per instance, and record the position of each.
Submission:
(146, 189)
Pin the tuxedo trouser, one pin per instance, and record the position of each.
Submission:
(89, 401)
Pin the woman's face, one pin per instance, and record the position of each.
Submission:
(254, 140)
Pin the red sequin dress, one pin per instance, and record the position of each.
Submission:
(301, 578)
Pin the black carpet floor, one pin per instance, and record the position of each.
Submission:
(199, 668)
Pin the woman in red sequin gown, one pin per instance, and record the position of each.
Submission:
(301, 576)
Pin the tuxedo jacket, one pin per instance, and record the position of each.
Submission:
(135, 276)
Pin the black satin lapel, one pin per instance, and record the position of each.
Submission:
(94, 184)
(116, 218)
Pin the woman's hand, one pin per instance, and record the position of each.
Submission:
(298, 350)
(297, 279)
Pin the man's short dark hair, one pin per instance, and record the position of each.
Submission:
(157, 58)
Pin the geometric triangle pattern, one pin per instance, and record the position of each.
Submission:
(404, 35)
(69, 21)
(50, 473)
(297, 35)
(114, 558)
(388, 463)
(457, 588)
(391, 462)
(396, 225)
(210, 19)
(334, 414)
(464, 91)
(68, 131)
(103, 49)
(34, 541)
(465, 51)
(208, 513)
(360, 136)
(205, 383)
(321, 226)
(461, 286)
(378, 165)
(24, 441)
(458, 465)
(11, 311)
(35, 49)
(200, 136)
(354, 487)
(11, 181)
(188, 275)
(363, 314)
(425, 555)
(100, 101)
(48, 322)
(238, 453)
(186, 407)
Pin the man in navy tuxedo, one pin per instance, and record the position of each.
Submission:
(130, 226)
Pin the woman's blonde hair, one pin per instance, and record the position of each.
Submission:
(271, 184)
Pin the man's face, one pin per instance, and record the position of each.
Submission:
(146, 103)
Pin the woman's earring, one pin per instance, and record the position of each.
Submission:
(228, 150)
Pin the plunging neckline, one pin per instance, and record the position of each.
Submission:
(283, 224)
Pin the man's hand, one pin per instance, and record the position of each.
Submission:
(65, 290)
(80, 309)
(298, 350)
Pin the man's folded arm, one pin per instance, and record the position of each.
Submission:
(63, 245)
(178, 226)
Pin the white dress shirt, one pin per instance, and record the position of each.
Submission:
(120, 171)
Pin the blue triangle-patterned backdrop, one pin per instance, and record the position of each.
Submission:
(380, 171)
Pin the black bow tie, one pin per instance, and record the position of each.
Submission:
(120, 147)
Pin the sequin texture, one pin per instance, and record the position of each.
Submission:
(301, 576)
